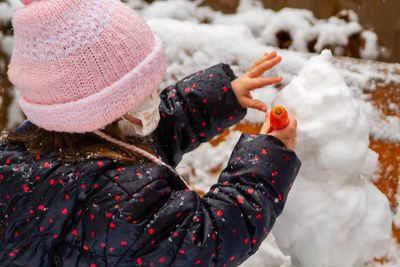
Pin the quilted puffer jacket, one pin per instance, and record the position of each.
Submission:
(113, 213)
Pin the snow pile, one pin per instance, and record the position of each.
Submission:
(299, 26)
(370, 51)
(190, 46)
(331, 123)
(268, 255)
(179, 10)
(295, 29)
(333, 216)
(7, 9)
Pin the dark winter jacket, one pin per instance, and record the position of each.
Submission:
(114, 213)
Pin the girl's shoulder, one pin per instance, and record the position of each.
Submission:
(85, 174)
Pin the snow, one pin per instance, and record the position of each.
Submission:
(382, 127)
(179, 10)
(349, 14)
(396, 217)
(300, 27)
(6, 43)
(212, 157)
(351, 218)
(269, 255)
(371, 50)
(301, 24)
(335, 32)
(16, 114)
(332, 129)
(7, 9)
(334, 215)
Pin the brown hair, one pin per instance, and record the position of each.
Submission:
(73, 147)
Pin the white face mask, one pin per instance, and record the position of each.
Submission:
(147, 112)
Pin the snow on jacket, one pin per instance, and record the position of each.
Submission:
(114, 213)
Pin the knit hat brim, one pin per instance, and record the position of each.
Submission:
(98, 110)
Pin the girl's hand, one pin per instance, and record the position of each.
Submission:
(288, 135)
(252, 79)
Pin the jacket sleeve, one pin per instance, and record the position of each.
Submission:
(196, 109)
(228, 224)
(239, 212)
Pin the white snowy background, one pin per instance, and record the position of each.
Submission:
(334, 215)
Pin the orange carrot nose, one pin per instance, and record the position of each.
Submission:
(279, 118)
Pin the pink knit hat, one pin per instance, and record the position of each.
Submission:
(81, 64)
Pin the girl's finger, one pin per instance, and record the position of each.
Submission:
(263, 67)
(261, 82)
(255, 104)
(292, 124)
(266, 125)
(267, 56)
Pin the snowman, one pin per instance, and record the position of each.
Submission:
(334, 215)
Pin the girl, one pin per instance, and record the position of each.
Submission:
(88, 180)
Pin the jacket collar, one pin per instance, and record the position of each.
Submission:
(23, 127)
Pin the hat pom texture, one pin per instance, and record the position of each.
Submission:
(81, 64)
